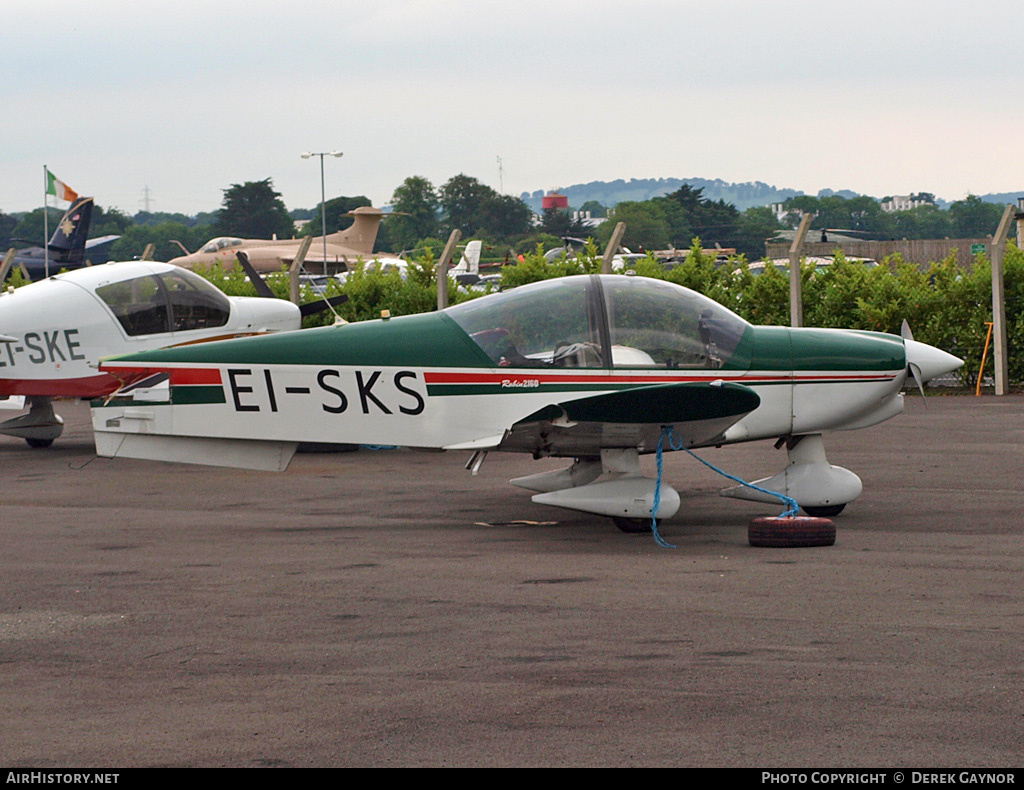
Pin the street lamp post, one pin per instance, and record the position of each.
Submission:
(323, 196)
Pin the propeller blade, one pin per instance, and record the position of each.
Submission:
(312, 308)
(925, 362)
(915, 371)
(262, 289)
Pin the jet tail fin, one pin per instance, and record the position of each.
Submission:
(361, 235)
(68, 240)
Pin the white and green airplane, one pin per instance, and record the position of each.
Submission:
(594, 368)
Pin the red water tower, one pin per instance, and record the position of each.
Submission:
(554, 200)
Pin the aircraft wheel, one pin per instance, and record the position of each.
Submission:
(634, 526)
(791, 532)
(824, 511)
(38, 443)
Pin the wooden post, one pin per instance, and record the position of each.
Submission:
(1020, 223)
(295, 268)
(999, 302)
(442, 269)
(796, 296)
(5, 267)
(612, 248)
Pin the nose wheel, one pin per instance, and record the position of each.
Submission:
(822, 490)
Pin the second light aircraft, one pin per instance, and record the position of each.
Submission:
(593, 368)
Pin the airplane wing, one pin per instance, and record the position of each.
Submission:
(99, 241)
(698, 412)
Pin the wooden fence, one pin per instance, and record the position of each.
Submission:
(919, 251)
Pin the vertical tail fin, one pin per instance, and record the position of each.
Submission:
(362, 234)
(68, 240)
(470, 261)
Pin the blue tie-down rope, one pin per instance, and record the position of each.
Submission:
(667, 432)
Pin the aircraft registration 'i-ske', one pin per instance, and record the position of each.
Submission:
(591, 367)
(53, 333)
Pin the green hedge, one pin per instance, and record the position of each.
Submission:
(946, 303)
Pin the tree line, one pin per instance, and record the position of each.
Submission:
(424, 215)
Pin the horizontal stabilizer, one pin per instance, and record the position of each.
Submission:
(255, 454)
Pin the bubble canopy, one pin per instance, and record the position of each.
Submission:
(602, 321)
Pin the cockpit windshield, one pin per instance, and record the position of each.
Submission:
(546, 324)
(220, 243)
(653, 323)
(609, 321)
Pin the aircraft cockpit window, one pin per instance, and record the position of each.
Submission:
(220, 243)
(548, 324)
(139, 304)
(195, 303)
(174, 301)
(657, 324)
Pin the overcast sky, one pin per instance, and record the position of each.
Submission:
(188, 97)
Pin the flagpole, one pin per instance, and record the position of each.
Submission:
(46, 223)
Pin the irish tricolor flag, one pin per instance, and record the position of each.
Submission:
(57, 188)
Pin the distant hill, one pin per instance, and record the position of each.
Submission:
(742, 196)
(608, 193)
(1002, 197)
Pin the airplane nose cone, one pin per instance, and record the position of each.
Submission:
(930, 361)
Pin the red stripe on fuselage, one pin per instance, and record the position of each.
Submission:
(177, 376)
(192, 376)
(598, 377)
(84, 387)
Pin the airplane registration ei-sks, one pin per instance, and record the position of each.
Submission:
(53, 333)
(343, 248)
(593, 368)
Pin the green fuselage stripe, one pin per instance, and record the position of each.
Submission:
(195, 395)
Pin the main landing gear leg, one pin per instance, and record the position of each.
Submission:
(612, 486)
(39, 427)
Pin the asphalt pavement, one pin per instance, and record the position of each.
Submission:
(387, 608)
